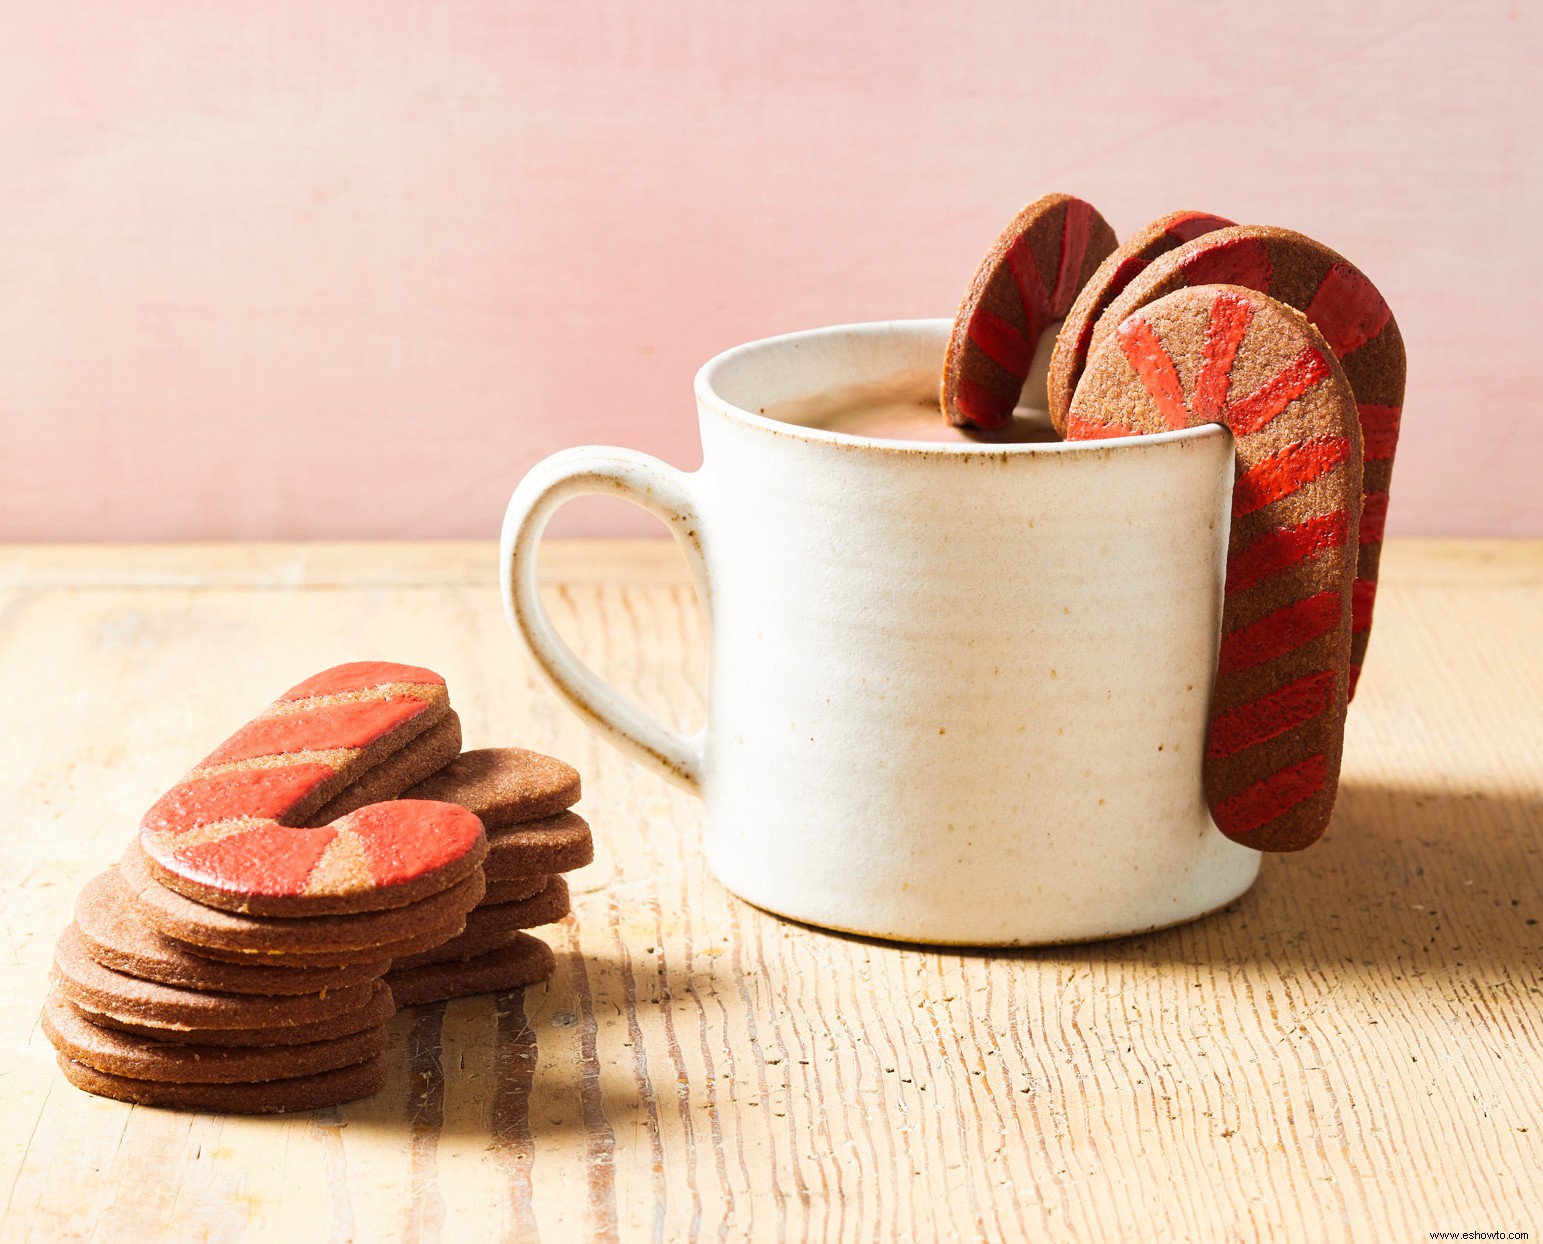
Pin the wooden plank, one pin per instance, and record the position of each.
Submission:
(1353, 1050)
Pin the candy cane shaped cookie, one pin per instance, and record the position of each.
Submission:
(1026, 282)
(1355, 320)
(1132, 256)
(235, 833)
(1224, 354)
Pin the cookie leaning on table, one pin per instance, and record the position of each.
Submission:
(235, 833)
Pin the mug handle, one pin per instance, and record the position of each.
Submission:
(659, 489)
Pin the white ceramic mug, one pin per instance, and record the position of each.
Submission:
(957, 692)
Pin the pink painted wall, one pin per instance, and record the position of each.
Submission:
(258, 259)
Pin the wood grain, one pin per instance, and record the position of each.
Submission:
(1351, 1051)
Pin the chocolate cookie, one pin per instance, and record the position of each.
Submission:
(364, 933)
(144, 1058)
(380, 1008)
(88, 984)
(551, 904)
(513, 890)
(114, 935)
(555, 844)
(1113, 275)
(330, 1088)
(504, 785)
(1224, 354)
(430, 752)
(292, 960)
(235, 835)
(525, 961)
(468, 945)
(1028, 280)
(1355, 321)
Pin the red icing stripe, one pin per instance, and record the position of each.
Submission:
(1001, 342)
(1374, 517)
(980, 406)
(1255, 807)
(1290, 627)
(1076, 229)
(1250, 413)
(1287, 470)
(1187, 226)
(361, 676)
(1229, 320)
(228, 796)
(1284, 547)
(1153, 364)
(1271, 715)
(1363, 595)
(1031, 287)
(1347, 309)
(1379, 430)
(1233, 261)
(407, 838)
(354, 723)
(1080, 429)
(1355, 677)
(272, 859)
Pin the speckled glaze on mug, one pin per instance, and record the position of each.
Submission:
(957, 692)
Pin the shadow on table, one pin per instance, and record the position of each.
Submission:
(1437, 879)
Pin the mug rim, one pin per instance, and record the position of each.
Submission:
(708, 397)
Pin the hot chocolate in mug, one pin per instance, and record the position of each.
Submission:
(957, 692)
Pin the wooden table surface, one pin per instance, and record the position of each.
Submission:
(1351, 1051)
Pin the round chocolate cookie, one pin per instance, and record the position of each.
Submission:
(550, 905)
(188, 921)
(524, 962)
(1028, 280)
(1225, 354)
(290, 960)
(88, 984)
(144, 1058)
(504, 785)
(114, 935)
(1116, 272)
(513, 890)
(329, 1088)
(380, 1008)
(468, 945)
(555, 844)
(1341, 303)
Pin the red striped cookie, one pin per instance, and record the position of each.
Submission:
(1026, 282)
(1353, 318)
(235, 834)
(1132, 256)
(1224, 354)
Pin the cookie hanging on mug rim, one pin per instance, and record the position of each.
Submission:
(1229, 355)
(1027, 281)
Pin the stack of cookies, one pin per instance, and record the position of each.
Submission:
(234, 958)
(522, 799)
